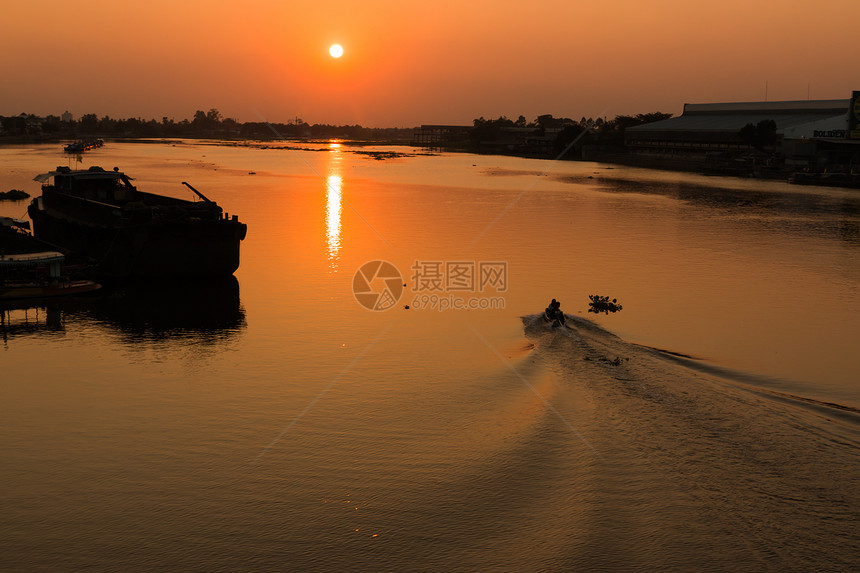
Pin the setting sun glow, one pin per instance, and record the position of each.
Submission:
(272, 56)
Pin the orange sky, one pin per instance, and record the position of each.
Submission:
(408, 63)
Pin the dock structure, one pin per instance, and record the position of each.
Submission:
(431, 135)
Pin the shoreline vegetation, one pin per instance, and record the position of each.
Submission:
(14, 195)
(547, 137)
(28, 128)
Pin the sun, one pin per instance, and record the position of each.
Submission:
(336, 50)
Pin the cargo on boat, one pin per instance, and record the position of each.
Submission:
(99, 217)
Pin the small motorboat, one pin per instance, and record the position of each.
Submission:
(28, 272)
(37, 275)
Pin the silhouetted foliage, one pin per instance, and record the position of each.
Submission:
(547, 121)
(13, 195)
(203, 124)
(89, 122)
(52, 124)
(568, 142)
(602, 304)
(545, 136)
(612, 132)
(15, 125)
(652, 117)
(759, 135)
(490, 129)
(622, 122)
(553, 136)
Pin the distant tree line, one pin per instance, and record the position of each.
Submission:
(556, 136)
(544, 136)
(204, 124)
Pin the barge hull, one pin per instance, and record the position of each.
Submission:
(187, 249)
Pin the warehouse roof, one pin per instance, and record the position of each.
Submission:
(733, 116)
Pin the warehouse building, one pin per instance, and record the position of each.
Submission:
(808, 133)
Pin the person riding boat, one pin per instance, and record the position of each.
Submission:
(554, 314)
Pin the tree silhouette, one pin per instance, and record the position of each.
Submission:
(570, 134)
(213, 116)
(89, 122)
(759, 135)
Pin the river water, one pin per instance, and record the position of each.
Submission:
(273, 422)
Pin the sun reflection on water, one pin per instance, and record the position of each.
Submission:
(334, 205)
(333, 208)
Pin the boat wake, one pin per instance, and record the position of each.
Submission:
(597, 344)
(709, 456)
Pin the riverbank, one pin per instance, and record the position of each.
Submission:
(751, 165)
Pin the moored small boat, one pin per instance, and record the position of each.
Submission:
(37, 275)
(83, 145)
